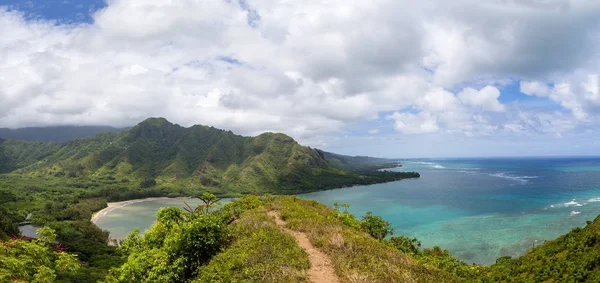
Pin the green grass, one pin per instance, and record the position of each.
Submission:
(257, 250)
(357, 257)
(260, 252)
(573, 257)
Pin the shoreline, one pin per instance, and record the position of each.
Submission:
(114, 205)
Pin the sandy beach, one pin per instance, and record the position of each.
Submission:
(113, 205)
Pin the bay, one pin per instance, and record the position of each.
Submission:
(478, 209)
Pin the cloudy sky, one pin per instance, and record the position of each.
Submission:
(384, 77)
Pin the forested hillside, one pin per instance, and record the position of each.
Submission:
(159, 153)
(62, 184)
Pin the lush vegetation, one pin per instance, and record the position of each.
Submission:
(258, 251)
(156, 153)
(60, 185)
(67, 209)
(240, 242)
(38, 260)
(573, 257)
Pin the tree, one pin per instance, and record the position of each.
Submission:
(209, 201)
(173, 248)
(406, 244)
(35, 260)
(376, 226)
(7, 227)
(346, 217)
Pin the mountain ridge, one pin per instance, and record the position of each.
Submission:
(158, 152)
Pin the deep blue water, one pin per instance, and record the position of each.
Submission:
(481, 209)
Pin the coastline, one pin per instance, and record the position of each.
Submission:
(114, 205)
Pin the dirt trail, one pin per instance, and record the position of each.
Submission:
(321, 268)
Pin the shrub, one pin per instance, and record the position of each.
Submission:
(376, 226)
(406, 244)
(173, 248)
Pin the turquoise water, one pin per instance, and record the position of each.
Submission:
(481, 209)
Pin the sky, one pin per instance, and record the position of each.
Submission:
(389, 78)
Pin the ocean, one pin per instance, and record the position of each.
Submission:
(481, 209)
(478, 209)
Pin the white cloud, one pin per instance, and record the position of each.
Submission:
(486, 98)
(578, 93)
(535, 88)
(307, 68)
(408, 123)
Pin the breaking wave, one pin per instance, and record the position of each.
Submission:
(573, 203)
(522, 179)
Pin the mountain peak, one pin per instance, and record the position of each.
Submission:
(156, 121)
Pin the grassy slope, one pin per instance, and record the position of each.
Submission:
(573, 257)
(357, 257)
(261, 252)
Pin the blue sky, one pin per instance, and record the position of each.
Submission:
(400, 78)
(70, 11)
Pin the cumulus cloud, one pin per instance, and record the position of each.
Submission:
(535, 88)
(307, 68)
(409, 123)
(577, 93)
(486, 98)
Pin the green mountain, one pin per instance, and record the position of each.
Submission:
(157, 152)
